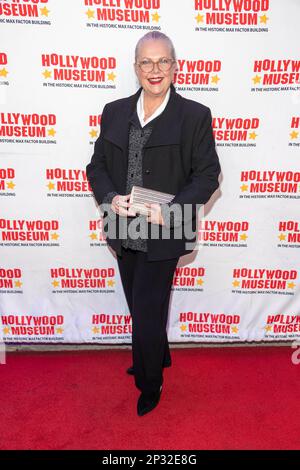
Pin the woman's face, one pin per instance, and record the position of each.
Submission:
(157, 82)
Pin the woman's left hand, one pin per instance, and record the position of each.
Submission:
(155, 216)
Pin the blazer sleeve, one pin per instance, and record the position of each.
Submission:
(203, 180)
(96, 170)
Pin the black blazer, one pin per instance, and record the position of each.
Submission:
(178, 158)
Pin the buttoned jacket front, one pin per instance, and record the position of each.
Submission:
(179, 158)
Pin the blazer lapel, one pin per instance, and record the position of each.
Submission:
(166, 130)
(118, 130)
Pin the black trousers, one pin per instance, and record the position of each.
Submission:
(147, 288)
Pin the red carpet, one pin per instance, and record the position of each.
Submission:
(213, 398)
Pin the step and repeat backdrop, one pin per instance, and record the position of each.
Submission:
(61, 61)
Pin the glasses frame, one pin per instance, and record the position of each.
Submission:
(157, 62)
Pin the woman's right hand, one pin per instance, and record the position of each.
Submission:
(120, 204)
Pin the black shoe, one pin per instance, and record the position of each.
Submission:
(130, 369)
(146, 403)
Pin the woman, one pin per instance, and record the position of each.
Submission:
(160, 140)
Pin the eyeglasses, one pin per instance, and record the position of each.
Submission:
(164, 64)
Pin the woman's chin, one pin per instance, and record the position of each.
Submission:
(155, 90)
